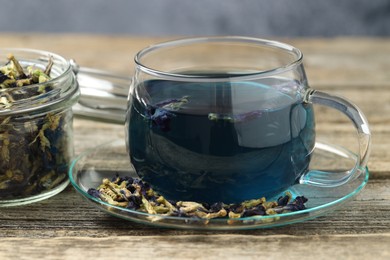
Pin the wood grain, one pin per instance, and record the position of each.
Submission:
(66, 226)
(203, 247)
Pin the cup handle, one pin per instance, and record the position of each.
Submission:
(327, 179)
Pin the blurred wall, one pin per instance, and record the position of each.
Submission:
(199, 17)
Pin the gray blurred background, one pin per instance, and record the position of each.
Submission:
(325, 18)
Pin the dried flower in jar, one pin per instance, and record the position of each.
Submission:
(34, 147)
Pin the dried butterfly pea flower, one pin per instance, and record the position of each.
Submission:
(166, 203)
(94, 193)
(141, 197)
(173, 104)
(159, 113)
(18, 70)
(254, 211)
(3, 77)
(236, 118)
(283, 200)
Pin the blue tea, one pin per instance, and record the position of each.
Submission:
(223, 141)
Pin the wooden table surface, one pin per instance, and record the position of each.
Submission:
(67, 227)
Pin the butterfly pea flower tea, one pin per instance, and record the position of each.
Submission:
(37, 91)
(229, 119)
(207, 144)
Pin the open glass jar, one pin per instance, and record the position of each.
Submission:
(36, 129)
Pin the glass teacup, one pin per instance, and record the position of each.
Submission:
(228, 119)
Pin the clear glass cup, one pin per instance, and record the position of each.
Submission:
(36, 132)
(228, 119)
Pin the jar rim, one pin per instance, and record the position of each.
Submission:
(61, 92)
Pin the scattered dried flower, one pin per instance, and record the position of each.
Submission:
(134, 194)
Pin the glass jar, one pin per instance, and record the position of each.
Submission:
(36, 143)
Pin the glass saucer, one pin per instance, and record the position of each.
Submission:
(104, 161)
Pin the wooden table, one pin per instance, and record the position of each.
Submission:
(67, 227)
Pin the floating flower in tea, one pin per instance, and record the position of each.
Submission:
(159, 114)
